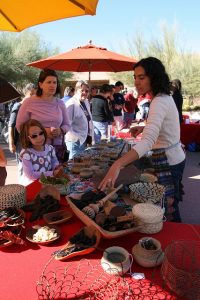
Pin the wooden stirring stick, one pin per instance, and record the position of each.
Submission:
(103, 200)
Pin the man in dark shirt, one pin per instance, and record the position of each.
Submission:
(118, 104)
(101, 114)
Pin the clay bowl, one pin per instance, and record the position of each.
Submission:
(102, 164)
(113, 155)
(90, 231)
(95, 168)
(31, 231)
(100, 146)
(147, 177)
(86, 173)
(111, 144)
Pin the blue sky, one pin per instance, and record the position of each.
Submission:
(117, 21)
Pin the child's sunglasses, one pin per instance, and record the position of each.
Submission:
(34, 136)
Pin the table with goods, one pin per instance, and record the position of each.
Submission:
(62, 238)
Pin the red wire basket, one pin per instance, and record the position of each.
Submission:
(86, 280)
(181, 268)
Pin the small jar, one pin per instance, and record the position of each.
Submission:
(116, 260)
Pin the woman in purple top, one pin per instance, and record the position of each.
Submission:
(46, 108)
(37, 157)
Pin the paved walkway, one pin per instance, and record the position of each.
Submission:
(189, 208)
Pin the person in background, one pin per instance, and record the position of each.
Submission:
(28, 91)
(101, 114)
(3, 163)
(37, 157)
(129, 107)
(13, 135)
(93, 93)
(143, 104)
(161, 135)
(68, 93)
(177, 96)
(81, 132)
(110, 100)
(118, 104)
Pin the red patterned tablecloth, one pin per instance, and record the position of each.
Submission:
(21, 266)
(190, 133)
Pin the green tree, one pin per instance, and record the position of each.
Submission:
(17, 50)
(179, 63)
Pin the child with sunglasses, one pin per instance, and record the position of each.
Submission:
(37, 157)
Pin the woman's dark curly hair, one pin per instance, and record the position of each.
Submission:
(155, 70)
(43, 75)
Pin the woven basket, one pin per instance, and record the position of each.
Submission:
(12, 195)
(150, 192)
(149, 216)
(181, 268)
(148, 258)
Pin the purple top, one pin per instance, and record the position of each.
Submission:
(35, 163)
(48, 113)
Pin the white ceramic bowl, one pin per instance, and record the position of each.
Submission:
(120, 266)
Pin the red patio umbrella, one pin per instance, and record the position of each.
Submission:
(87, 59)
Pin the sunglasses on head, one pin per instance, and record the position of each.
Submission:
(34, 136)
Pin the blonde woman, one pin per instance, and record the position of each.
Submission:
(81, 130)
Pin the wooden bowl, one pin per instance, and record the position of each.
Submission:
(31, 231)
(76, 169)
(111, 144)
(86, 173)
(147, 177)
(90, 231)
(57, 217)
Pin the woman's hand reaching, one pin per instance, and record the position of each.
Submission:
(111, 176)
(113, 172)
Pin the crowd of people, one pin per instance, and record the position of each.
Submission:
(42, 121)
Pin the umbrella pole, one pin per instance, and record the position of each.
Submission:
(89, 79)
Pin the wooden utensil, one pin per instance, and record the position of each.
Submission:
(103, 200)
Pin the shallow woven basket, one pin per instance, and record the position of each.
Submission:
(149, 216)
(147, 192)
(181, 268)
(12, 195)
